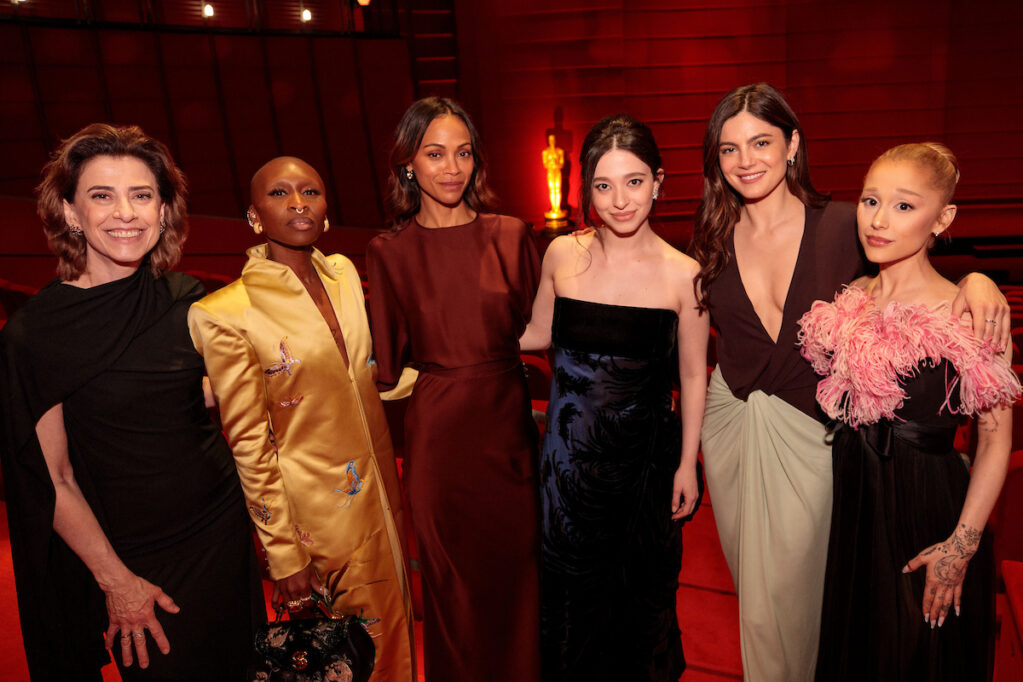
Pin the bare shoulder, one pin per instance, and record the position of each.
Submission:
(568, 246)
(678, 262)
(944, 292)
(861, 282)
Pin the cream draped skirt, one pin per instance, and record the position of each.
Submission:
(768, 471)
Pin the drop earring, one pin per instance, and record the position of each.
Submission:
(410, 175)
(163, 225)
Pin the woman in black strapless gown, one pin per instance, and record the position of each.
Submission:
(617, 473)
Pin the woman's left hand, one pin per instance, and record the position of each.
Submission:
(131, 609)
(946, 564)
(685, 492)
(981, 297)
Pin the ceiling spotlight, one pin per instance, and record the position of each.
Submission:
(307, 15)
(363, 3)
(207, 10)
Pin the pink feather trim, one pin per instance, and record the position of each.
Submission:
(865, 353)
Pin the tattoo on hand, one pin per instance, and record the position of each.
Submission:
(959, 549)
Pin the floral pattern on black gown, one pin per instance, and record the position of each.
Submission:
(611, 553)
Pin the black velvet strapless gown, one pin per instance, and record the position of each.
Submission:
(611, 553)
(899, 488)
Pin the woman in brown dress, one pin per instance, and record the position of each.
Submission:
(451, 290)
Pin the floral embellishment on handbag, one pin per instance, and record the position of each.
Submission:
(284, 366)
(353, 487)
(303, 537)
(292, 402)
(262, 513)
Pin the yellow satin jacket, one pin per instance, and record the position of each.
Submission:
(310, 439)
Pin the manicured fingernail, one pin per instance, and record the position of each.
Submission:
(905, 569)
(957, 609)
(941, 621)
(927, 618)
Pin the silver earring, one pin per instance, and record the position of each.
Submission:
(792, 161)
(656, 193)
(410, 175)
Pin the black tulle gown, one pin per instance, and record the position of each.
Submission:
(611, 553)
(899, 488)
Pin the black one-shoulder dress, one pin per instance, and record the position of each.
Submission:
(611, 553)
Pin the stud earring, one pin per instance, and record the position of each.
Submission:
(792, 161)
(410, 175)
(326, 224)
(75, 230)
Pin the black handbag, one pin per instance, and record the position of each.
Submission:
(326, 648)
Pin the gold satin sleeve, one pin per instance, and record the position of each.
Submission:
(406, 382)
(237, 380)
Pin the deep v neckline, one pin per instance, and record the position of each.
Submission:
(803, 245)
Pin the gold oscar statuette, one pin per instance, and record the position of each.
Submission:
(554, 160)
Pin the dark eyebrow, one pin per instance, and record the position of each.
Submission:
(111, 189)
(752, 139)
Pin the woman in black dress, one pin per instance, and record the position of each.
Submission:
(617, 472)
(909, 588)
(119, 486)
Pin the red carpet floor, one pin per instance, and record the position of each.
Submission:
(707, 609)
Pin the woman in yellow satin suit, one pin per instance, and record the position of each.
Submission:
(289, 356)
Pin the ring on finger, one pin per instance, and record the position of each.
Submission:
(139, 635)
(990, 321)
(125, 638)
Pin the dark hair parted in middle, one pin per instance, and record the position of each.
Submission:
(614, 132)
(404, 199)
(719, 208)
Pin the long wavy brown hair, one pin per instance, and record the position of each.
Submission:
(720, 207)
(60, 181)
(404, 198)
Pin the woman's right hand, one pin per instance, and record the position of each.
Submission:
(297, 587)
(130, 607)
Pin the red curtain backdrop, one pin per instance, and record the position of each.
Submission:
(862, 76)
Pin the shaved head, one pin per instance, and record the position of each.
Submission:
(275, 168)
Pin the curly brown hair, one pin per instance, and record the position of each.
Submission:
(404, 199)
(720, 206)
(60, 181)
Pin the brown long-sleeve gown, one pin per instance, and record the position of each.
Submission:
(452, 302)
